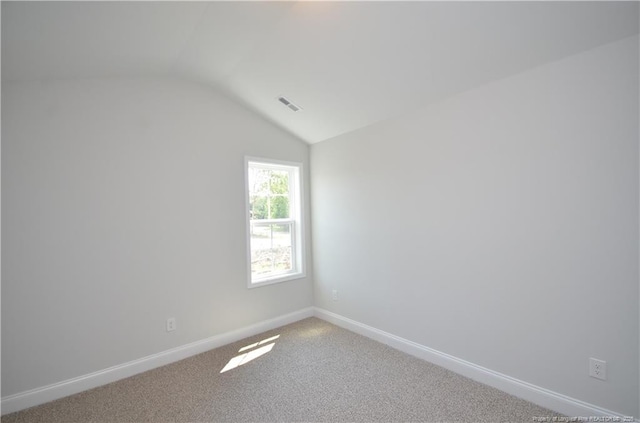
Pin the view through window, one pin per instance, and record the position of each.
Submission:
(274, 210)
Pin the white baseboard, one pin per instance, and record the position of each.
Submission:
(543, 397)
(37, 396)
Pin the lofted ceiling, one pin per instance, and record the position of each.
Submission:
(347, 64)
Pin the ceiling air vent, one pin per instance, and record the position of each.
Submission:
(289, 104)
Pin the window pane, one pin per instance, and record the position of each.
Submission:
(279, 207)
(259, 207)
(259, 181)
(279, 182)
(270, 249)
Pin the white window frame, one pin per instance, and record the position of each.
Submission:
(296, 204)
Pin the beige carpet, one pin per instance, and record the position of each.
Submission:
(313, 371)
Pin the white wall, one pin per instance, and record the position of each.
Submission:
(500, 226)
(123, 205)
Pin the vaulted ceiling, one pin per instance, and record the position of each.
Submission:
(347, 64)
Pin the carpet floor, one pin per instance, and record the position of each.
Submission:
(309, 371)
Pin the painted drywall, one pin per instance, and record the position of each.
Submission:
(123, 204)
(499, 226)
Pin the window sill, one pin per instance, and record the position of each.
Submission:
(276, 279)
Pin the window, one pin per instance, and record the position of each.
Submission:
(274, 221)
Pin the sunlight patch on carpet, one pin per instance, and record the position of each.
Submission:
(251, 355)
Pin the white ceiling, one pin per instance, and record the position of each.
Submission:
(348, 64)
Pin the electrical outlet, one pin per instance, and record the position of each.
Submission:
(171, 324)
(334, 295)
(597, 368)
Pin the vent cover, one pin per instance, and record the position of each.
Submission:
(289, 104)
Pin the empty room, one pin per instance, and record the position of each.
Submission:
(320, 211)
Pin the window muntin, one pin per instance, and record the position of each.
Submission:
(274, 221)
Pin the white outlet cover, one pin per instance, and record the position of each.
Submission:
(171, 324)
(597, 368)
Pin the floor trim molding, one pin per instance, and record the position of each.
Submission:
(44, 394)
(543, 397)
